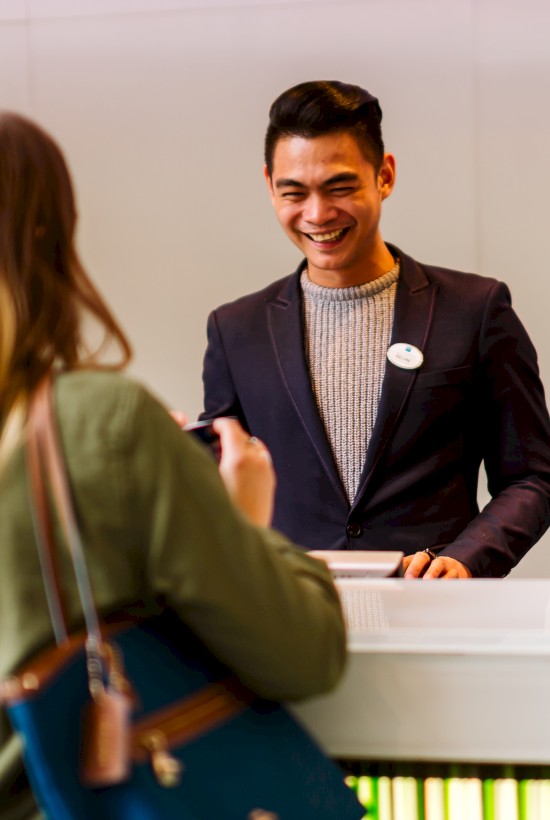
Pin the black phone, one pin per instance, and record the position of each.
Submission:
(204, 431)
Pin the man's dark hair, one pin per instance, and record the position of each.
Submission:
(323, 107)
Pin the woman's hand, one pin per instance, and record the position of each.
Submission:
(179, 417)
(247, 471)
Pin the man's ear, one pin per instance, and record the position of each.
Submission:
(269, 182)
(386, 176)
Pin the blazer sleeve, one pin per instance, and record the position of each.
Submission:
(220, 396)
(514, 428)
(263, 607)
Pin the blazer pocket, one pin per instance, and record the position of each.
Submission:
(443, 378)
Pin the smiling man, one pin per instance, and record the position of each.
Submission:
(379, 384)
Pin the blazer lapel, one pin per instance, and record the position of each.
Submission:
(284, 320)
(414, 305)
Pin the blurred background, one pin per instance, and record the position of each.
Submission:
(161, 108)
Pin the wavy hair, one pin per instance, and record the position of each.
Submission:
(45, 293)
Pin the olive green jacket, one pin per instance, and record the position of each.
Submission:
(157, 523)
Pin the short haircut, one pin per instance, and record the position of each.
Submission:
(312, 109)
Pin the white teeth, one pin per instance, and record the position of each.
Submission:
(326, 237)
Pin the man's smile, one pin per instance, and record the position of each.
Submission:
(328, 237)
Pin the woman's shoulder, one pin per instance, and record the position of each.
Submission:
(101, 404)
(91, 390)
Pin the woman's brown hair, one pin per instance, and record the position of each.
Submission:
(45, 292)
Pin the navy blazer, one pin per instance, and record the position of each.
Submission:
(477, 398)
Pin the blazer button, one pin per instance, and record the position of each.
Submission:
(354, 530)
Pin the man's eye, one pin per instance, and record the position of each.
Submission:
(292, 194)
(342, 190)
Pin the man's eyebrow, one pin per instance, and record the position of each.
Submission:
(289, 183)
(344, 176)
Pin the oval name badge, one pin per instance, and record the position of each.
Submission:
(405, 355)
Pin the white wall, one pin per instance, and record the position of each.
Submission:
(161, 108)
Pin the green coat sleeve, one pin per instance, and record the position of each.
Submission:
(264, 607)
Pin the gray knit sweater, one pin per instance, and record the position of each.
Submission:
(347, 334)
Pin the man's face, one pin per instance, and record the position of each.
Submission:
(328, 198)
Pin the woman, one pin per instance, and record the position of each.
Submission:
(156, 520)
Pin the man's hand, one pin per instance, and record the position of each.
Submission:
(420, 565)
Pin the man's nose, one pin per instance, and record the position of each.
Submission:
(318, 210)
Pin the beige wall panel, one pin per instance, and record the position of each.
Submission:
(94, 8)
(14, 85)
(12, 10)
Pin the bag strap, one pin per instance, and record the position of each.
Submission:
(44, 537)
(45, 459)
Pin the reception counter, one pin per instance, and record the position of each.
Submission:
(445, 670)
(445, 677)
